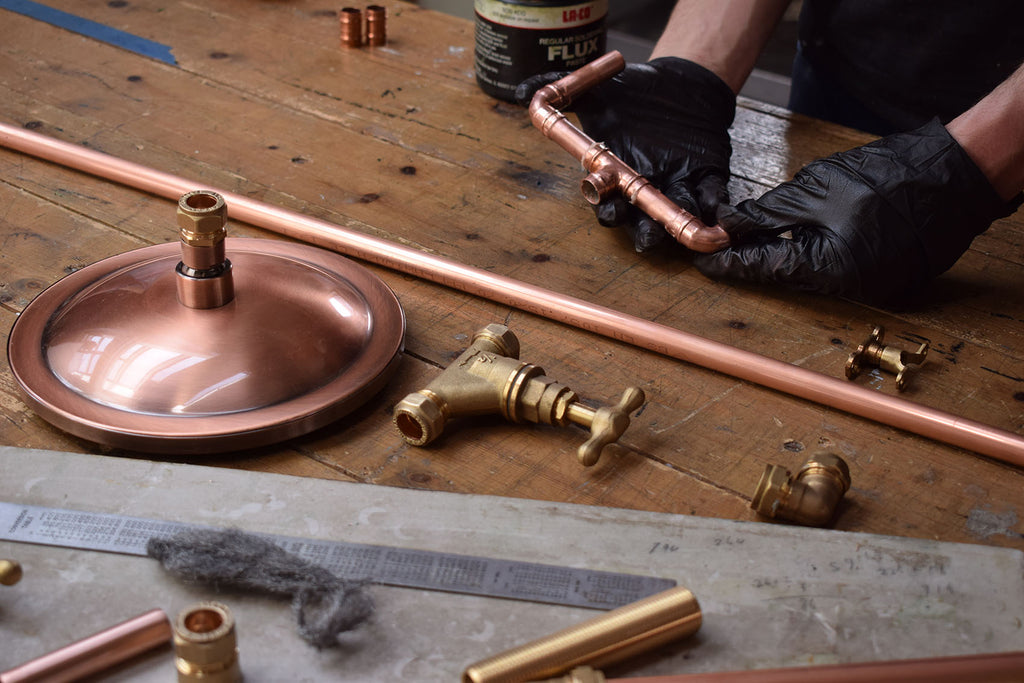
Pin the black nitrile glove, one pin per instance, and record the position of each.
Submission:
(668, 119)
(876, 223)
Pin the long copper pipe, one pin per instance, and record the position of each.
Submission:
(840, 394)
(609, 173)
(1002, 667)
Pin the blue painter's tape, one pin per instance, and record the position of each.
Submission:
(85, 27)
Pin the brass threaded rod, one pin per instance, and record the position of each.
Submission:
(617, 635)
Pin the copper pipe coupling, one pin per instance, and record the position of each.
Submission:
(351, 24)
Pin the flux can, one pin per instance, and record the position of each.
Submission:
(516, 39)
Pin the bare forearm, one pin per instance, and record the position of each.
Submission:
(992, 134)
(724, 36)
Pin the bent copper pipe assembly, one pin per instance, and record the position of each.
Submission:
(608, 173)
(774, 374)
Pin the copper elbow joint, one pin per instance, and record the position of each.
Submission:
(810, 497)
(608, 174)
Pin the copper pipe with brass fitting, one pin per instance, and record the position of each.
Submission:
(608, 173)
(622, 633)
(781, 376)
(204, 273)
(809, 497)
(10, 572)
(488, 378)
(205, 646)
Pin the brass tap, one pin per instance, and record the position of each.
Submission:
(205, 645)
(810, 497)
(204, 273)
(874, 353)
(489, 379)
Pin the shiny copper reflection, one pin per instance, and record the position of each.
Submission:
(109, 354)
(768, 372)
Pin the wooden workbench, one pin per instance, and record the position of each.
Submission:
(399, 142)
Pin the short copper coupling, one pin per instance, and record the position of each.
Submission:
(351, 23)
(205, 647)
(204, 273)
(810, 497)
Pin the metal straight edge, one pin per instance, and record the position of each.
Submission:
(405, 567)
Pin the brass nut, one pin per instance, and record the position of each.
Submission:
(202, 218)
(205, 646)
(505, 341)
(419, 417)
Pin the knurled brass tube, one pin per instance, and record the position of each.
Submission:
(768, 372)
(96, 653)
(613, 637)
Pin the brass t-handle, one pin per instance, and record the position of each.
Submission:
(488, 378)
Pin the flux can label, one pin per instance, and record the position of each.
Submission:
(516, 39)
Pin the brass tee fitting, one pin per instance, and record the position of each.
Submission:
(810, 497)
(204, 645)
(488, 379)
(204, 273)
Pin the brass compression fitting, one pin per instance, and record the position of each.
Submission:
(489, 379)
(809, 497)
(205, 645)
(204, 273)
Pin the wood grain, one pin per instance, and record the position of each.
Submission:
(398, 142)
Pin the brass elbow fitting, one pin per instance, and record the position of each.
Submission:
(488, 378)
(205, 645)
(204, 273)
(810, 497)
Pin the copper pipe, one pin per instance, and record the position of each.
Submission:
(1001, 667)
(774, 374)
(96, 653)
(376, 25)
(350, 22)
(608, 173)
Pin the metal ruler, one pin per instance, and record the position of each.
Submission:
(387, 565)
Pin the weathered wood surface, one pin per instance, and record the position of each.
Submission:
(400, 143)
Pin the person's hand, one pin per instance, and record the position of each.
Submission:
(669, 120)
(876, 223)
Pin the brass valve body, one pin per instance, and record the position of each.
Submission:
(873, 353)
(809, 497)
(488, 378)
(205, 646)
